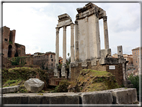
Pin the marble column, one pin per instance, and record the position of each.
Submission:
(57, 45)
(87, 40)
(63, 71)
(76, 42)
(106, 39)
(72, 43)
(64, 44)
(97, 37)
(56, 73)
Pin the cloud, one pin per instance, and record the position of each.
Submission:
(35, 24)
(124, 17)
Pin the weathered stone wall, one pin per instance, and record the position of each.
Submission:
(20, 49)
(5, 43)
(117, 72)
(75, 71)
(29, 60)
(9, 47)
(6, 62)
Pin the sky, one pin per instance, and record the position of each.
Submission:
(35, 25)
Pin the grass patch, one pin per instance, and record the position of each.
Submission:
(12, 83)
(93, 80)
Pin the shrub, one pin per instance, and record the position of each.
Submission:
(18, 61)
(135, 81)
(62, 87)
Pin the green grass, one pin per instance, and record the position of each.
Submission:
(11, 82)
(97, 73)
(93, 80)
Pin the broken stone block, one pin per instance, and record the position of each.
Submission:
(105, 53)
(10, 89)
(34, 85)
(119, 51)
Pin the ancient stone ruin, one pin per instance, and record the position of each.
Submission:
(9, 47)
(88, 54)
(64, 21)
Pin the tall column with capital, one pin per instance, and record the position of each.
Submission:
(56, 73)
(98, 39)
(106, 39)
(64, 53)
(76, 42)
(57, 45)
(87, 40)
(72, 43)
(64, 44)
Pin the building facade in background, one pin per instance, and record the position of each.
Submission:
(128, 58)
(45, 61)
(136, 56)
(9, 47)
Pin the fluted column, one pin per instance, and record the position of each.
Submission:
(64, 44)
(72, 42)
(63, 71)
(57, 45)
(76, 42)
(56, 73)
(87, 40)
(106, 39)
(98, 39)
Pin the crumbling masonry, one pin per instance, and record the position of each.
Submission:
(9, 47)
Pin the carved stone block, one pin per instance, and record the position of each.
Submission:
(84, 64)
(94, 62)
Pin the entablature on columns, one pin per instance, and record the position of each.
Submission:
(64, 20)
(88, 10)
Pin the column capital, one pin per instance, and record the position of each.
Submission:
(72, 26)
(64, 27)
(57, 30)
(76, 22)
(105, 18)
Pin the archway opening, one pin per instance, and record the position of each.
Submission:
(9, 51)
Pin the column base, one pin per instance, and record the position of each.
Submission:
(63, 70)
(69, 71)
(55, 72)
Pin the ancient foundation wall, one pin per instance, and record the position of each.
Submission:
(29, 60)
(117, 72)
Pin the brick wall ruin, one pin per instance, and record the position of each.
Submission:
(117, 72)
(9, 47)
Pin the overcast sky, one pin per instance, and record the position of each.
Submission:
(35, 24)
